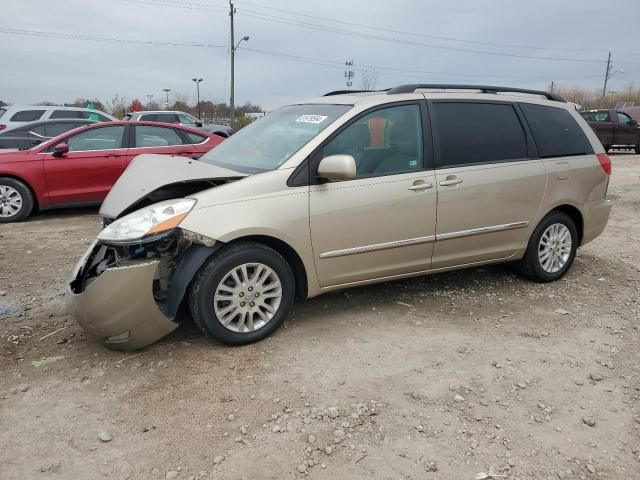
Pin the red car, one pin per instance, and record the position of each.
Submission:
(80, 167)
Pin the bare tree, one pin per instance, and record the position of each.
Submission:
(369, 80)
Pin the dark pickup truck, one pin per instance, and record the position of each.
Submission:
(614, 128)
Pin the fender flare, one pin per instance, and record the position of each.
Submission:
(188, 265)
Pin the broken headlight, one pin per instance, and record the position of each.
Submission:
(150, 220)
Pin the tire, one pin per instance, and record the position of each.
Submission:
(548, 270)
(16, 200)
(245, 307)
(637, 149)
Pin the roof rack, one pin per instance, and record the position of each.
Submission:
(412, 87)
(347, 92)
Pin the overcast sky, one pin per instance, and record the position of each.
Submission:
(412, 41)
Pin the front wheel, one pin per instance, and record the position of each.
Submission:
(552, 248)
(243, 293)
(16, 200)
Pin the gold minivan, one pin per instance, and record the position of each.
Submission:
(343, 190)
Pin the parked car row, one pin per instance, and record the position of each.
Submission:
(79, 167)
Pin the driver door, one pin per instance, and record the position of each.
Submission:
(96, 158)
(381, 223)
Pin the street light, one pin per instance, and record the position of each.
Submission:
(150, 97)
(197, 82)
(233, 52)
(166, 90)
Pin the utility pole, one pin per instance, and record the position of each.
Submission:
(607, 74)
(197, 82)
(232, 108)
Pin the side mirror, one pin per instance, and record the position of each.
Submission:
(60, 149)
(198, 124)
(337, 168)
(633, 123)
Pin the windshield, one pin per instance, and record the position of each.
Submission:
(270, 141)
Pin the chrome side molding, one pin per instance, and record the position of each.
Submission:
(482, 230)
(378, 246)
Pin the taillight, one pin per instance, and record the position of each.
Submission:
(605, 162)
(2, 127)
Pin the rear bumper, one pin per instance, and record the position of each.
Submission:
(595, 219)
(118, 307)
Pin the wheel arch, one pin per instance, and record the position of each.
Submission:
(36, 200)
(288, 253)
(574, 213)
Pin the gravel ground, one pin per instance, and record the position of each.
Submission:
(440, 377)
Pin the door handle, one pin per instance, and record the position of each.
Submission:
(416, 187)
(450, 182)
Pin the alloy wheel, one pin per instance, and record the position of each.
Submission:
(247, 297)
(554, 248)
(10, 201)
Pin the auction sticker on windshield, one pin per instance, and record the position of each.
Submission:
(311, 118)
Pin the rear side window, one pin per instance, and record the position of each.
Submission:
(624, 118)
(555, 131)
(473, 133)
(26, 116)
(167, 118)
(58, 128)
(596, 116)
(150, 117)
(66, 114)
(194, 138)
(148, 136)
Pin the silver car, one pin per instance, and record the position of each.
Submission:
(336, 192)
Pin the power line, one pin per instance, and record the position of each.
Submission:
(282, 20)
(313, 26)
(93, 38)
(384, 70)
(402, 32)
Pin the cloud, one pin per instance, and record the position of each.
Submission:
(305, 54)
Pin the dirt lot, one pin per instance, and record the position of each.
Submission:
(434, 378)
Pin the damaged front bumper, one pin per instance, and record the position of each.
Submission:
(119, 309)
(126, 296)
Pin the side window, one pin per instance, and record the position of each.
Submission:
(555, 131)
(596, 116)
(58, 128)
(147, 136)
(149, 117)
(472, 133)
(187, 119)
(195, 138)
(65, 114)
(26, 116)
(39, 130)
(106, 138)
(623, 118)
(383, 142)
(167, 118)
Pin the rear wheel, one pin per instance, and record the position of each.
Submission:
(16, 200)
(637, 149)
(243, 294)
(552, 248)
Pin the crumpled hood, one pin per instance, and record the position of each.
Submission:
(147, 173)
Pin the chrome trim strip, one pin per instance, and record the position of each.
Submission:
(378, 246)
(482, 230)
